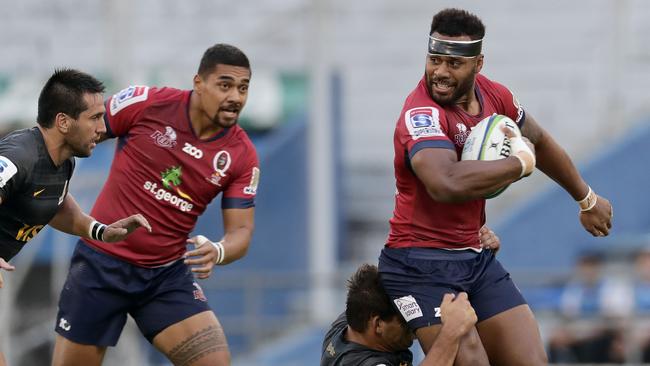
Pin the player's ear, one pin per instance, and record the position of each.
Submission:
(198, 83)
(479, 63)
(377, 324)
(62, 122)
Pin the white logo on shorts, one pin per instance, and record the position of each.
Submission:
(63, 324)
(437, 310)
(408, 307)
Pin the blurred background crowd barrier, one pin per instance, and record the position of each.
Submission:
(329, 80)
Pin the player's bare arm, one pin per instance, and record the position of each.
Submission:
(238, 227)
(553, 160)
(72, 220)
(450, 180)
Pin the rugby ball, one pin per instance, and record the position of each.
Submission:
(487, 142)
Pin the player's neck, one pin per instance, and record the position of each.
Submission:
(469, 102)
(201, 123)
(55, 145)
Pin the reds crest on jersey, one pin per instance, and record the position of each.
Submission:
(166, 139)
(126, 97)
(423, 122)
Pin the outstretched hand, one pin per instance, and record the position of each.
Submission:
(598, 220)
(120, 229)
(7, 267)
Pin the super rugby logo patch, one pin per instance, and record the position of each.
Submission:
(128, 96)
(7, 170)
(423, 122)
(408, 307)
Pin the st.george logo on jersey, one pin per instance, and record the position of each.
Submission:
(128, 96)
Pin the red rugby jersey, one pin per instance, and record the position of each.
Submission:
(418, 220)
(164, 171)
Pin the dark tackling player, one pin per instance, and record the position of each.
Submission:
(36, 165)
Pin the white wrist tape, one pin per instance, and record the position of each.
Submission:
(96, 230)
(589, 201)
(523, 165)
(221, 253)
(519, 147)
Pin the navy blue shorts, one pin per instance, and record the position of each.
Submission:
(101, 290)
(416, 279)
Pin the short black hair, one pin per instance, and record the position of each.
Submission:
(63, 93)
(457, 22)
(224, 54)
(367, 298)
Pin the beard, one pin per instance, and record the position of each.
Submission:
(223, 123)
(220, 119)
(461, 89)
(81, 151)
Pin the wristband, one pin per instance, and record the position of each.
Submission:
(221, 253)
(96, 230)
(523, 165)
(518, 145)
(589, 201)
(220, 250)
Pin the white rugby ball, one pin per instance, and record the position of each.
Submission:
(487, 142)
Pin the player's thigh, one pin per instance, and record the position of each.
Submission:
(512, 338)
(196, 341)
(68, 353)
(2, 360)
(470, 349)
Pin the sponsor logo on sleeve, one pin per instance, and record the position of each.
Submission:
(520, 109)
(131, 95)
(331, 350)
(7, 170)
(255, 180)
(408, 307)
(423, 122)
